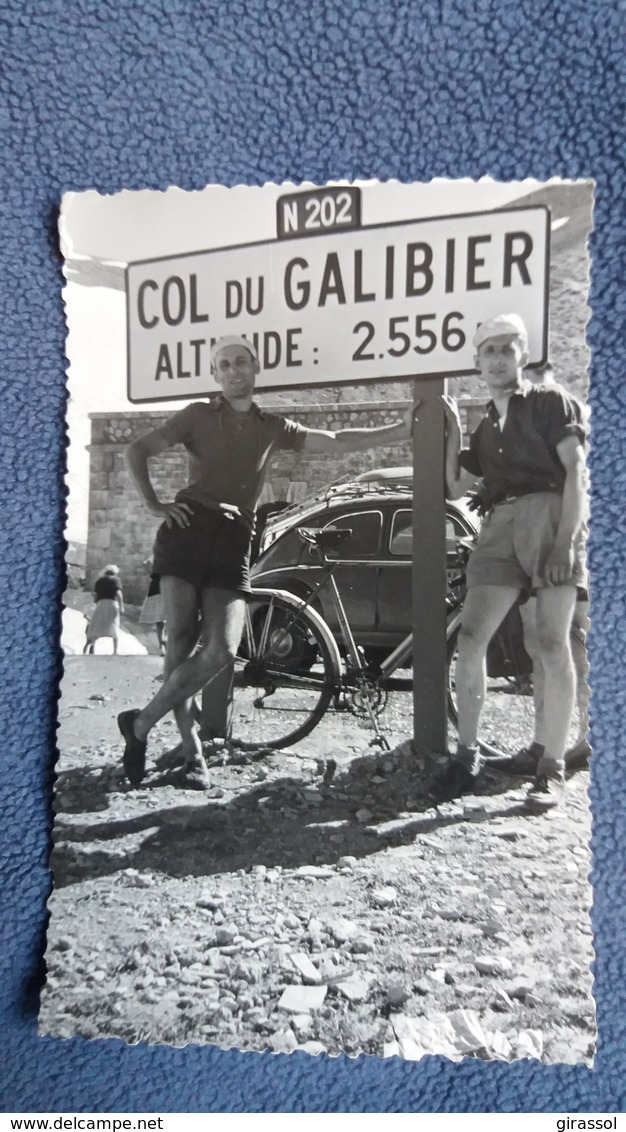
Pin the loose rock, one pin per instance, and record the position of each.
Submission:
(312, 1047)
(301, 1000)
(303, 964)
(384, 897)
(314, 872)
(226, 935)
(529, 1044)
(493, 965)
(283, 1041)
(363, 815)
(397, 994)
(341, 929)
(356, 988)
(503, 1002)
(362, 944)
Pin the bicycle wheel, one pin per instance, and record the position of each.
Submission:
(508, 717)
(285, 674)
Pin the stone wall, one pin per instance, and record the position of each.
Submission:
(122, 531)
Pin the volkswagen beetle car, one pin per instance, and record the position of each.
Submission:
(374, 565)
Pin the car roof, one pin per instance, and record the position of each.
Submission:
(359, 489)
(383, 475)
(337, 493)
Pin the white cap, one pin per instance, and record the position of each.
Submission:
(501, 324)
(232, 340)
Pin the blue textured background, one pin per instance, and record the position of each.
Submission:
(137, 93)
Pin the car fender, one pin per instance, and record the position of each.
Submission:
(293, 585)
(298, 603)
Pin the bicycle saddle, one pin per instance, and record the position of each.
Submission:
(324, 539)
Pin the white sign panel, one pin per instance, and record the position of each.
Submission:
(383, 302)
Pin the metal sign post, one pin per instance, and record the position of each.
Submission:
(429, 570)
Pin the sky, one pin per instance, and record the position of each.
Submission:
(131, 226)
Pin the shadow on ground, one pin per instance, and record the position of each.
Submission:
(374, 802)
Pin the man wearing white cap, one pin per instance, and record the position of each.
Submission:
(528, 452)
(202, 547)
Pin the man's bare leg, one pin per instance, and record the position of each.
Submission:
(580, 628)
(225, 609)
(180, 600)
(484, 609)
(578, 641)
(525, 761)
(528, 614)
(222, 621)
(555, 609)
(216, 693)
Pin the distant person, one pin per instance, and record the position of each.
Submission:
(152, 611)
(105, 619)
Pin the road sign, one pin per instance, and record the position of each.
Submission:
(318, 211)
(382, 302)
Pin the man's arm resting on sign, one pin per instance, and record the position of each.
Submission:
(136, 456)
(360, 439)
(560, 561)
(458, 480)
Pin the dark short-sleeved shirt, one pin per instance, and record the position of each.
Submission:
(108, 586)
(521, 457)
(229, 451)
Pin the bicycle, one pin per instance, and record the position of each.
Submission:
(289, 673)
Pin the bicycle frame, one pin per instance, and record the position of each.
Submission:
(350, 681)
(400, 656)
(354, 684)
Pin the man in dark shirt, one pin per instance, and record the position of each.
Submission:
(525, 761)
(528, 452)
(202, 547)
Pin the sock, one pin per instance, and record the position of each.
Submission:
(554, 768)
(469, 757)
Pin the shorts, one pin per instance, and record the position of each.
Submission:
(515, 540)
(213, 552)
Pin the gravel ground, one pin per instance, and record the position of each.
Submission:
(311, 900)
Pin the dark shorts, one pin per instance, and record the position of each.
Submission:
(515, 540)
(212, 552)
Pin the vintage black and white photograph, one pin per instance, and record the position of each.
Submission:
(323, 757)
